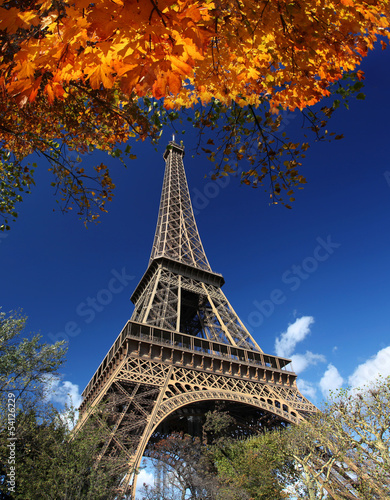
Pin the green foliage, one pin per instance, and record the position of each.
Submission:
(256, 468)
(49, 459)
(218, 425)
(15, 180)
(343, 452)
(52, 463)
(25, 363)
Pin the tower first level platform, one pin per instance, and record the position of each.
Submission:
(150, 374)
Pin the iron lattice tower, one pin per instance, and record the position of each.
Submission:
(184, 345)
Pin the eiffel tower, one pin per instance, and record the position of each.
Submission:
(184, 347)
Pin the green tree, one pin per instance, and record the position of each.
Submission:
(40, 456)
(344, 451)
(256, 468)
(51, 462)
(25, 364)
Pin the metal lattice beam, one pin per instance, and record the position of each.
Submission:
(184, 345)
(177, 235)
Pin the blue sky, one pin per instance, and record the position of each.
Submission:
(311, 282)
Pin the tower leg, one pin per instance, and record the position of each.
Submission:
(131, 484)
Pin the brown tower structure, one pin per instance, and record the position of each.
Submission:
(184, 346)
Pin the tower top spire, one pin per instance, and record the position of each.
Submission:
(177, 236)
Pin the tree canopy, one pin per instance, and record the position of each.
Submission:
(40, 455)
(25, 364)
(343, 452)
(79, 76)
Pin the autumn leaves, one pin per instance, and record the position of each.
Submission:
(79, 76)
(189, 51)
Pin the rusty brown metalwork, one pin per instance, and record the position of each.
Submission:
(184, 344)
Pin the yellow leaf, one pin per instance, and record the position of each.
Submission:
(101, 75)
(29, 17)
(27, 70)
(182, 67)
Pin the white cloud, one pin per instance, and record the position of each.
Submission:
(301, 361)
(144, 477)
(62, 392)
(296, 332)
(306, 388)
(331, 380)
(379, 364)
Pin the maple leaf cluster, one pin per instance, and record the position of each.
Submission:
(78, 76)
